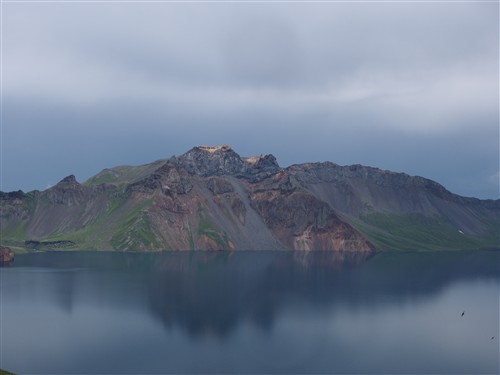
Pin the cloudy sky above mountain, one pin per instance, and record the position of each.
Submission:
(411, 87)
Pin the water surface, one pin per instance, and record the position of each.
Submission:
(250, 312)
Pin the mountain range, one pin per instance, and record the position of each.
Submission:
(211, 198)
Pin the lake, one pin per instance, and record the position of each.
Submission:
(251, 312)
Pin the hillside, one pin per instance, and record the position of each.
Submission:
(210, 198)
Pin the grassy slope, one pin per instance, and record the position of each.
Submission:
(136, 230)
(123, 223)
(207, 228)
(15, 235)
(94, 233)
(418, 232)
(124, 174)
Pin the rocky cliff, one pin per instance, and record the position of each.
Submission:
(210, 198)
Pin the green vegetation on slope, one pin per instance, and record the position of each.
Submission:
(136, 230)
(111, 229)
(124, 174)
(29, 202)
(207, 228)
(97, 232)
(416, 231)
(14, 235)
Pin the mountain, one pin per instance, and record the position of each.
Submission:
(210, 198)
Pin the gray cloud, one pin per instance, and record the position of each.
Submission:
(405, 86)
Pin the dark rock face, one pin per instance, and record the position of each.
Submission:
(6, 254)
(13, 195)
(13, 205)
(303, 222)
(69, 182)
(212, 161)
(352, 188)
(174, 180)
(68, 192)
(218, 161)
(168, 178)
(219, 185)
(261, 168)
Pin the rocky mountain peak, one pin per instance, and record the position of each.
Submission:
(209, 161)
(67, 192)
(223, 148)
(68, 182)
(223, 160)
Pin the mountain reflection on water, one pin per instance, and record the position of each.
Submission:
(215, 294)
(211, 291)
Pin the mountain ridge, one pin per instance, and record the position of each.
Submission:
(211, 198)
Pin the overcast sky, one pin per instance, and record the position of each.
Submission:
(410, 87)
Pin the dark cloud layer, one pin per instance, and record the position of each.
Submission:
(403, 86)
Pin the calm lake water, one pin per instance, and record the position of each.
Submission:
(250, 312)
